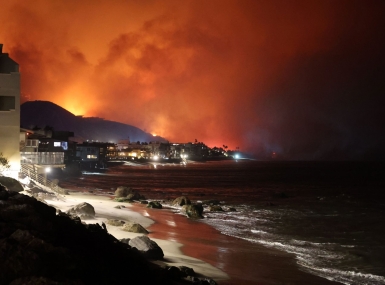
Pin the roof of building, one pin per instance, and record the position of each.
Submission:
(7, 64)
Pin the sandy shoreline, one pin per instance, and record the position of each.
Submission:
(159, 232)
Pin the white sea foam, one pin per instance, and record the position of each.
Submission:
(315, 257)
(258, 232)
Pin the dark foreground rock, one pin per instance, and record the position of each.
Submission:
(82, 210)
(147, 246)
(11, 184)
(38, 246)
(154, 205)
(193, 211)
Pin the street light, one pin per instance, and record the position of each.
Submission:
(46, 171)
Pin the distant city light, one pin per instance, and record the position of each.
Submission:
(155, 157)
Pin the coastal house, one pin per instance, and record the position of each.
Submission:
(10, 112)
(123, 144)
(93, 155)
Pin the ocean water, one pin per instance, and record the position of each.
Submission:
(328, 215)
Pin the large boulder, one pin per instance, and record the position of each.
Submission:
(193, 211)
(148, 247)
(134, 228)
(122, 191)
(180, 201)
(82, 210)
(128, 193)
(11, 184)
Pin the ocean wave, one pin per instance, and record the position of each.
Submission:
(347, 277)
(318, 258)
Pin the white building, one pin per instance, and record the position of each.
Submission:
(10, 112)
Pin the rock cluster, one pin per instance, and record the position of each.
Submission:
(124, 193)
(39, 246)
(195, 210)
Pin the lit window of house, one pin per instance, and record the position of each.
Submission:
(91, 156)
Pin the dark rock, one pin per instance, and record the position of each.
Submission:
(193, 211)
(186, 271)
(11, 184)
(148, 247)
(144, 202)
(154, 205)
(3, 192)
(173, 273)
(82, 210)
(122, 191)
(125, 240)
(231, 209)
(215, 208)
(208, 281)
(180, 201)
(38, 246)
(192, 280)
(128, 193)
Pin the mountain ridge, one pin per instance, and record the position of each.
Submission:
(45, 113)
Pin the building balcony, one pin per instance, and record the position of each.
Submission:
(42, 158)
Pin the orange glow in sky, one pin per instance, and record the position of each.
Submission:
(204, 70)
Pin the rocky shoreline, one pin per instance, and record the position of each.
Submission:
(42, 245)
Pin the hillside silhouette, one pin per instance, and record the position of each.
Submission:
(44, 113)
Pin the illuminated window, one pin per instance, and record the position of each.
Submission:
(7, 103)
(91, 156)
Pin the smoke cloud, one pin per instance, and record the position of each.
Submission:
(303, 79)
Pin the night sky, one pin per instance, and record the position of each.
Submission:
(303, 79)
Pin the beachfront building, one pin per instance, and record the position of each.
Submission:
(10, 112)
(123, 144)
(93, 155)
(191, 151)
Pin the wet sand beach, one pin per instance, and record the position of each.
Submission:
(245, 263)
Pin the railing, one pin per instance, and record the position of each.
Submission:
(41, 179)
(42, 158)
